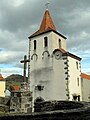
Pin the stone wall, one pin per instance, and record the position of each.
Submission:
(54, 115)
(4, 104)
(21, 104)
(5, 100)
(82, 112)
(56, 105)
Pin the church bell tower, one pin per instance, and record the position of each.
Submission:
(46, 47)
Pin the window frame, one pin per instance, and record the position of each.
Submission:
(35, 44)
(45, 42)
(77, 65)
(59, 42)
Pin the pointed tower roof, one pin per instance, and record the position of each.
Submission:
(46, 24)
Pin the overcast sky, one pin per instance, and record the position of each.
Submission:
(20, 18)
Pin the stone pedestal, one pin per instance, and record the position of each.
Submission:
(21, 101)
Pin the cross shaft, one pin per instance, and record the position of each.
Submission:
(25, 66)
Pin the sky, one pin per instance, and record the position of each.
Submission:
(21, 18)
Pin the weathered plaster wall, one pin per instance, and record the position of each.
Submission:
(74, 72)
(85, 89)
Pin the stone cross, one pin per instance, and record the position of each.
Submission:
(25, 66)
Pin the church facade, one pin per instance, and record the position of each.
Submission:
(54, 73)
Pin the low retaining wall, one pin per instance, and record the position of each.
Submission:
(4, 104)
(80, 113)
(56, 105)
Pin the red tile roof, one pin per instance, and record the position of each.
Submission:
(46, 24)
(83, 75)
(15, 88)
(62, 50)
(65, 53)
(1, 78)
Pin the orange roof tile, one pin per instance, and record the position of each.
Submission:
(60, 49)
(46, 24)
(65, 53)
(15, 88)
(1, 78)
(83, 75)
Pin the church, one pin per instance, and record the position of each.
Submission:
(54, 73)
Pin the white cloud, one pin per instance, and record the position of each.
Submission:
(8, 71)
(9, 56)
(20, 18)
(16, 3)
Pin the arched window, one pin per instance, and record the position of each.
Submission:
(59, 41)
(45, 54)
(34, 57)
(35, 44)
(45, 41)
